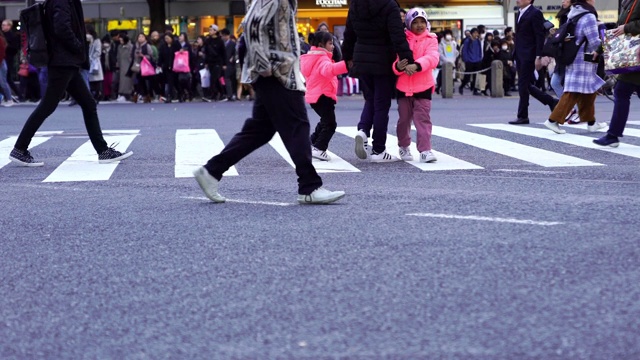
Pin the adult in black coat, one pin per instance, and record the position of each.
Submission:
(13, 47)
(166, 55)
(374, 37)
(68, 53)
(215, 55)
(530, 34)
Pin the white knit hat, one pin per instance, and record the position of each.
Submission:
(414, 14)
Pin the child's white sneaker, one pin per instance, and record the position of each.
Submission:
(385, 157)
(427, 157)
(362, 148)
(405, 154)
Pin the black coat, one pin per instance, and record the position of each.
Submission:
(529, 35)
(66, 32)
(13, 44)
(214, 51)
(166, 54)
(374, 36)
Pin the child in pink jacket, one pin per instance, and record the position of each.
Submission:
(321, 74)
(415, 85)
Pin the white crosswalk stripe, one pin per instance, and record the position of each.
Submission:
(83, 164)
(445, 162)
(571, 139)
(336, 165)
(194, 147)
(7, 144)
(518, 151)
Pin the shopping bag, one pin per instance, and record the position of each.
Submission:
(146, 69)
(181, 62)
(205, 78)
(621, 53)
(221, 80)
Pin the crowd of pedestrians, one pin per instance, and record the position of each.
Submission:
(393, 53)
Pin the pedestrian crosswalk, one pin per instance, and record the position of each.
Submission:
(193, 147)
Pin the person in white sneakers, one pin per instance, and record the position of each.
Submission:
(373, 38)
(274, 71)
(415, 86)
(321, 73)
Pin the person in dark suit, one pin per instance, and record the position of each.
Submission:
(528, 54)
(230, 72)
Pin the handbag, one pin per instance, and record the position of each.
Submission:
(146, 69)
(205, 78)
(135, 67)
(621, 52)
(181, 62)
(24, 70)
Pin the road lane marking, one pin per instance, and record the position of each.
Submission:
(445, 162)
(83, 164)
(335, 165)
(194, 147)
(571, 139)
(250, 202)
(6, 145)
(511, 149)
(486, 218)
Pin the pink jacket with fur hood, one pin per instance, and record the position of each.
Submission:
(425, 53)
(320, 72)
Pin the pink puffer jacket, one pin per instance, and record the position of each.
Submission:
(425, 53)
(320, 72)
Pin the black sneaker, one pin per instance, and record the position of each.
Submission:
(607, 140)
(112, 155)
(23, 158)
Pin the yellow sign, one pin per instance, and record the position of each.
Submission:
(122, 25)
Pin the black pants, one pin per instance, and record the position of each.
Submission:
(326, 108)
(526, 79)
(216, 88)
(11, 70)
(184, 86)
(61, 79)
(229, 80)
(470, 67)
(274, 109)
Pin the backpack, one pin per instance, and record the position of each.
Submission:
(562, 45)
(32, 19)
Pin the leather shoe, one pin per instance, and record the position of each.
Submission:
(519, 122)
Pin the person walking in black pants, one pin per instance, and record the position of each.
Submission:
(279, 105)
(68, 53)
(528, 54)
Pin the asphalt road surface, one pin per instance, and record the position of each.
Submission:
(516, 244)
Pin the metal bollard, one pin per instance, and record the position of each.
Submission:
(497, 68)
(447, 80)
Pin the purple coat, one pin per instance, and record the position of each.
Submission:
(581, 76)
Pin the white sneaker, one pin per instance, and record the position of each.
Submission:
(9, 103)
(553, 126)
(208, 184)
(405, 154)
(427, 157)
(121, 99)
(321, 196)
(361, 145)
(319, 154)
(597, 126)
(384, 157)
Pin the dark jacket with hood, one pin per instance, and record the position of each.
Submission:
(66, 32)
(374, 36)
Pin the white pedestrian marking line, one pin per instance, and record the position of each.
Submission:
(336, 165)
(445, 162)
(531, 171)
(631, 132)
(486, 218)
(571, 139)
(6, 145)
(633, 122)
(250, 202)
(194, 147)
(518, 151)
(83, 164)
